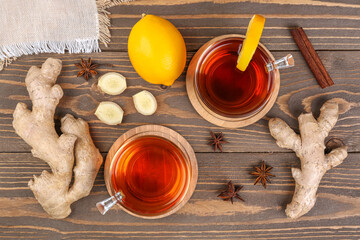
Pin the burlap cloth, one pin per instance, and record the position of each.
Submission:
(52, 26)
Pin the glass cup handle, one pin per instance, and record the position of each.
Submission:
(285, 62)
(108, 203)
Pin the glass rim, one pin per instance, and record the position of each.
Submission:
(117, 157)
(207, 50)
(174, 138)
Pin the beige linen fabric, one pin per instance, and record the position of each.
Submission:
(52, 26)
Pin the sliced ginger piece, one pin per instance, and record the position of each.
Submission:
(112, 83)
(145, 103)
(109, 113)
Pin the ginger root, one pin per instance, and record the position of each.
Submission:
(37, 128)
(309, 147)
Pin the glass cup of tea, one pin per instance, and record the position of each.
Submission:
(226, 96)
(150, 172)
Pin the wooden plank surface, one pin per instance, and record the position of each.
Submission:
(332, 26)
(336, 214)
(299, 90)
(329, 24)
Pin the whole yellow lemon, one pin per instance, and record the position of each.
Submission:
(157, 50)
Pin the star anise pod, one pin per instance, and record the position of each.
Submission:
(230, 193)
(217, 139)
(263, 174)
(86, 68)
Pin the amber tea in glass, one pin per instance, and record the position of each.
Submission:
(152, 173)
(226, 96)
(227, 90)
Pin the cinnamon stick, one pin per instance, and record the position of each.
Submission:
(312, 58)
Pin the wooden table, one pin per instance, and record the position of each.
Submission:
(333, 28)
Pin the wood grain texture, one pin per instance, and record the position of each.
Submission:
(332, 27)
(329, 24)
(336, 214)
(299, 92)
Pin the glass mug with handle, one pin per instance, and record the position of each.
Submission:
(226, 96)
(150, 172)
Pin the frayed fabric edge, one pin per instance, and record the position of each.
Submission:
(73, 46)
(6, 62)
(104, 20)
(9, 53)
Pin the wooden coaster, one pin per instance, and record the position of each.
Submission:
(210, 115)
(168, 134)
